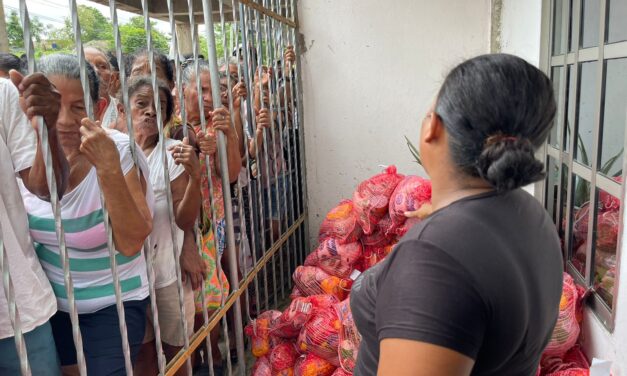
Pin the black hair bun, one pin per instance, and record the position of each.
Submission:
(509, 163)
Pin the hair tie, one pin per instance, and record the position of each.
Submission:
(500, 138)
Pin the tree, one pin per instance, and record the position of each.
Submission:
(133, 35)
(15, 33)
(94, 26)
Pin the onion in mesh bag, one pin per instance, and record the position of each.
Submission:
(311, 280)
(321, 335)
(313, 365)
(372, 197)
(567, 328)
(341, 224)
(335, 258)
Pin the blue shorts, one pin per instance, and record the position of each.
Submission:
(277, 208)
(42, 355)
(102, 342)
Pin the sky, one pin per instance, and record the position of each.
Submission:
(54, 12)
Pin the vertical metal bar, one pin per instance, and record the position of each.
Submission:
(166, 177)
(248, 79)
(192, 21)
(226, 189)
(110, 245)
(14, 316)
(148, 253)
(54, 201)
(301, 134)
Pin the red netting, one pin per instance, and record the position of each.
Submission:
(382, 235)
(334, 258)
(283, 356)
(311, 280)
(567, 328)
(262, 367)
(285, 372)
(291, 321)
(406, 226)
(340, 372)
(410, 194)
(609, 202)
(374, 255)
(372, 197)
(607, 232)
(320, 336)
(341, 224)
(313, 365)
(259, 332)
(349, 336)
(296, 293)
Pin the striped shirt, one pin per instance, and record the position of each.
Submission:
(86, 241)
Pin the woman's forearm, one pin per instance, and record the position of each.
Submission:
(128, 211)
(187, 210)
(36, 181)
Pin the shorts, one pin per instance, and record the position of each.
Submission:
(40, 349)
(169, 314)
(102, 342)
(283, 183)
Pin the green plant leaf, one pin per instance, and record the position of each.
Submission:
(414, 151)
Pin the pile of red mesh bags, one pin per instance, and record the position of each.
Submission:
(316, 333)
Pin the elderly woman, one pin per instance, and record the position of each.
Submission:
(94, 156)
(184, 175)
(108, 79)
(475, 288)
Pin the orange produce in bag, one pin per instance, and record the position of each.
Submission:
(408, 196)
(259, 332)
(349, 336)
(262, 367)
(335, 258)
(372, 197)
(321, 335)
(283, 356)
(340, 372)
(311, 280)
(313, 365)
(341, 224)
(567, 328)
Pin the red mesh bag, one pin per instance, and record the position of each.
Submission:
(349, 336)
(607, 202)
(374, 255)
(372, 197)
(334, 258)
(296, 293)
(340, 372)
(283, 356)
(291, 321)
(313, 365)
(401, 230)
(382, 235)
(410, 194)
(323, 302)
(259, 332)
(607, 231)
(285, 372)
(312, 280)
(571, 372)
(341, 224)
(262, 367)
(567, 328)
(580, 224)
(320, 336)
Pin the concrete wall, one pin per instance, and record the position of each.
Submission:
(520, 33)
(370, 70)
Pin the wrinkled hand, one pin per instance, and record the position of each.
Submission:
(186, 155)
(98, 148)
(221, 121)
(239, 93)
(289, 55)
(263, 120)
(40, 97)
(192, 265)
(207, 142)
(424, 211)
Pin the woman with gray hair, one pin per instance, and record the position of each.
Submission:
(94, 155)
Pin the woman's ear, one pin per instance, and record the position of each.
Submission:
(100, 107)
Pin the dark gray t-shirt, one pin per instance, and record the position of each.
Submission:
(482, 277)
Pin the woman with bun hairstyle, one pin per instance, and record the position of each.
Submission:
(474, 289)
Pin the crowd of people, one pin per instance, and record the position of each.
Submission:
(152, 220)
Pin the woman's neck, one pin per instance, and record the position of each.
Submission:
(147, 142)
(452, 187)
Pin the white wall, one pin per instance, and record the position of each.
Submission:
(520, 35)
(369, 73)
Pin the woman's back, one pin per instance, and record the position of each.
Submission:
(477, 277)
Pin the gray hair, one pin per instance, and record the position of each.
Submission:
(190, 71)
(67, 66)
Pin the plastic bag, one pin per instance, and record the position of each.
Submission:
(259, 332)
(349, 336)
(291, 321)
(296, 293)
(341, 224)
(410, 194)
(334, 258)
(382, 235)
(313, 365)
(607, 202)
(340, 372)
(323, 302)
(567, 328)
(607, 231)
(374, 255)
(320, 336)
(372, 197)
(262, 367)
(283, 356)
(311, 280)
